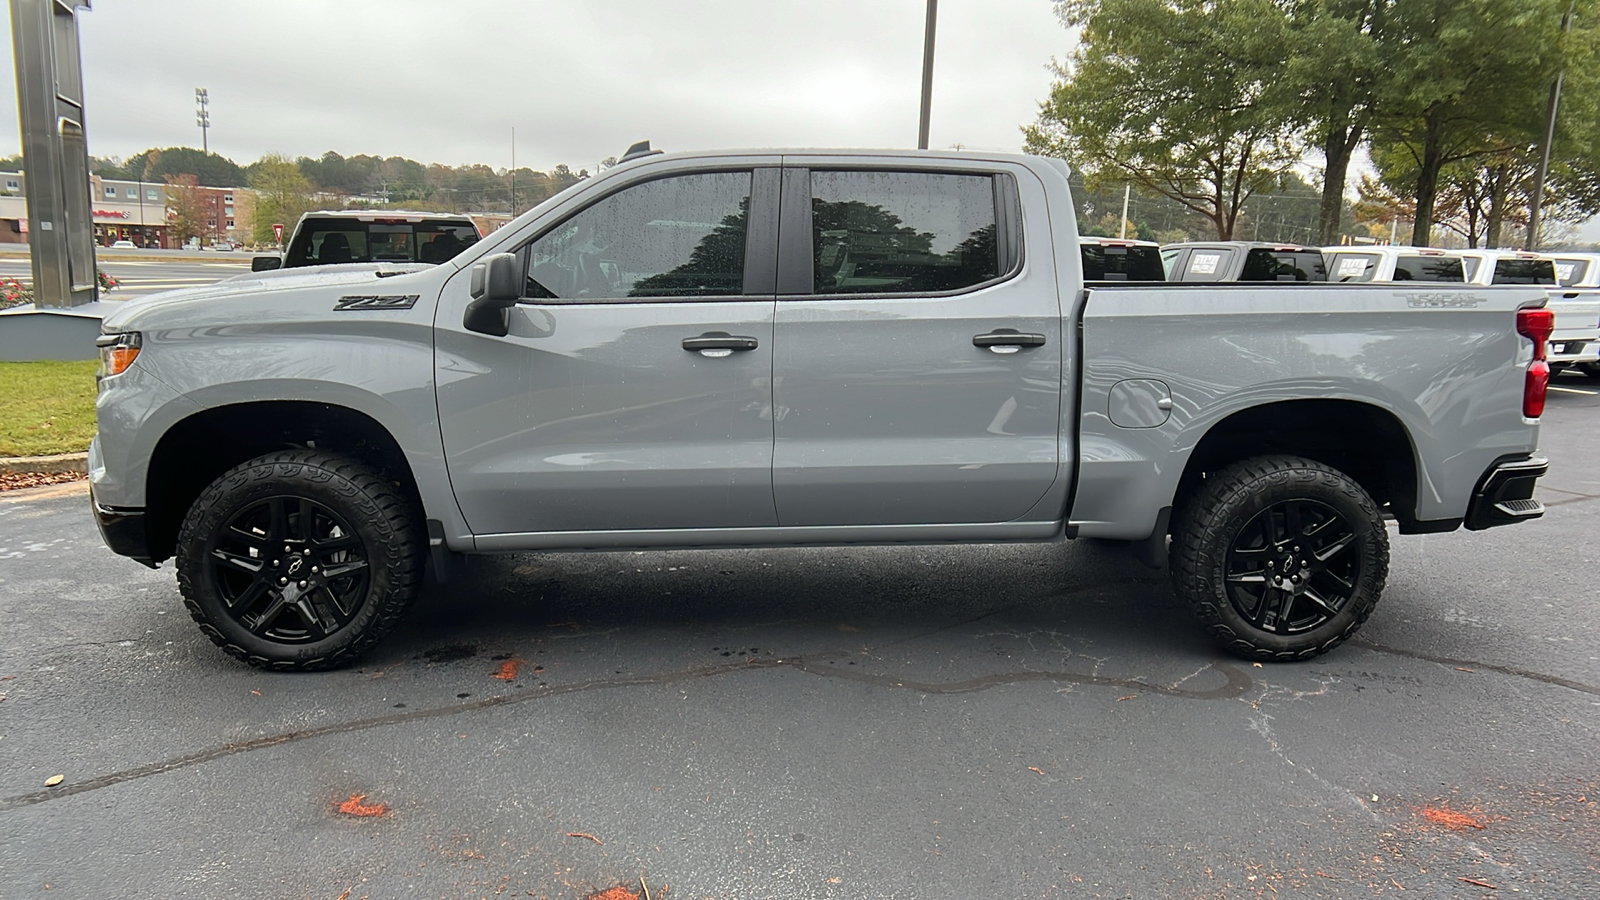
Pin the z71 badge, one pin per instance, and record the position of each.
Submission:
(376, 301)
(1450, 300)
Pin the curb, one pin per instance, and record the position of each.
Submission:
(63, 462)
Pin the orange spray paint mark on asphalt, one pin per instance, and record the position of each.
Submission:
(1450, 818)
(354, 807)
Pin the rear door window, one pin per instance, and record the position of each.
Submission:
(1524, 271)
(1429, 268)
(902, 232)
(1262, 264)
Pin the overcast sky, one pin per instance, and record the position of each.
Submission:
(579, 80)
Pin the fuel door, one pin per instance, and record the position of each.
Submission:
(1140, 403)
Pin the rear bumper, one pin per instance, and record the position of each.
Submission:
(1574, 351)
(123, 530)
(1504, 495)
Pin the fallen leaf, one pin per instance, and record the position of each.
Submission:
(1126, 697)
(1454, 820)
(256, 692)
(1322, 874)
(54, 780)
(584, 834)
(508, 670)
(1481, 883)
(1257, 665)
(345, 895)
(1035, 770)
(835, 880)
(354, 807)
(1461, 669)
(616, 893)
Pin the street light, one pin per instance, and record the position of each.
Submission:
(927, 74)
(1532, 243)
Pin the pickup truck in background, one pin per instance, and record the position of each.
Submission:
(1575, 341)
(1119, 259)
(1201, 261)
(1393, 263)
(1580, 271)
(771, 348)
(334, 237)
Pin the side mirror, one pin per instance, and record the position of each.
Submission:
(265, 263)
(496, 286)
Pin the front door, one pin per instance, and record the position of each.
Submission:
(633, 390)
(919, 355)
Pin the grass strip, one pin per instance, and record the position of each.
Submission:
(46, 407)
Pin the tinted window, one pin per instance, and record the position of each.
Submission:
(331, 241)
(902, 232)
(1206, 264)
(1428, 268)
(1524, 271)
(1115, 262)
(1571, 271)
(1283, 265)
(682, 236)
(1353, 266)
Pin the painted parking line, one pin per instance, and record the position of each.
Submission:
(1573, 390)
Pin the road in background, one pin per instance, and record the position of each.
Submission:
(142, 277)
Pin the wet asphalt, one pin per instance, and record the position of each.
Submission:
(908, 722)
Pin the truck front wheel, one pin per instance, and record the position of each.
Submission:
(1281, 558)
(300, 560)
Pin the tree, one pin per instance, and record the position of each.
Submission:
(283, 194)
(1468, 79)
(1183, 97)
(209, 169)
(1336, 71)
(187, 210)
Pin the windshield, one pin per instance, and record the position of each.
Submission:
(321, 242)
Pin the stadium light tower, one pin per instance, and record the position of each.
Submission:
(202, 117)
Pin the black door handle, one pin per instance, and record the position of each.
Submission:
(719, 341)
(1004, 338)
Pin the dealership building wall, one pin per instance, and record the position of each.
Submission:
(131, 210)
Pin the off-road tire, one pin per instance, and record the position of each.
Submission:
(235, 525)
(1214, 555)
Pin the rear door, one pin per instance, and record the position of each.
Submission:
(633, 390)
(919, 349)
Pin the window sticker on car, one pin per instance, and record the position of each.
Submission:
(1205, 263)
(1352, 266)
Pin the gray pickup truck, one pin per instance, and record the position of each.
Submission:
(801, 348)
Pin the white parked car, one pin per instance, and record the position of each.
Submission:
(1393, 263)
(1576, 340)
(122, 245)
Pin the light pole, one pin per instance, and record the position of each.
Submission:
(202, 117)
(1532, 243)
(927, 74)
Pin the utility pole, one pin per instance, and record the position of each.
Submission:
(202, 117)
(927, 75)
(1532, 243)
(1122, 227)
(513, 172)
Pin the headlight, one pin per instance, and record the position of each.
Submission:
(117, 352)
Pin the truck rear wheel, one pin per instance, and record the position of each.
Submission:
(300, 560)
(1281, 558)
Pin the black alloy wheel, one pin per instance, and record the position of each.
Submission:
(1279, 557)
(289, 570)
(300, 560)
(1293, 567)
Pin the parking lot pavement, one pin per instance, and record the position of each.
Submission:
(1032, 721)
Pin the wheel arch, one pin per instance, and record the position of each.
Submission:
(1365, 441)
(199, 448)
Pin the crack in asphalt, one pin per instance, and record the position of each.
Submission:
(1488, 667)
(1237, 683)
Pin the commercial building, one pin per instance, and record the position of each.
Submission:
(133, 211)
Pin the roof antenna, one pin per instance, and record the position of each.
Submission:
(635, 151)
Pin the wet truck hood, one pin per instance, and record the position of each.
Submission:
(329, 281)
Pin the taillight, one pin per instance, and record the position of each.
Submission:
(1537, 326)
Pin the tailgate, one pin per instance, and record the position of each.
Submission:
(1576, 337)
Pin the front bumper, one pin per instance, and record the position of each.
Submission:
(123, 530)
(1505, 493)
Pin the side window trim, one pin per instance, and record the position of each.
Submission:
(524, 250)
(795, 251)
(761, 233)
